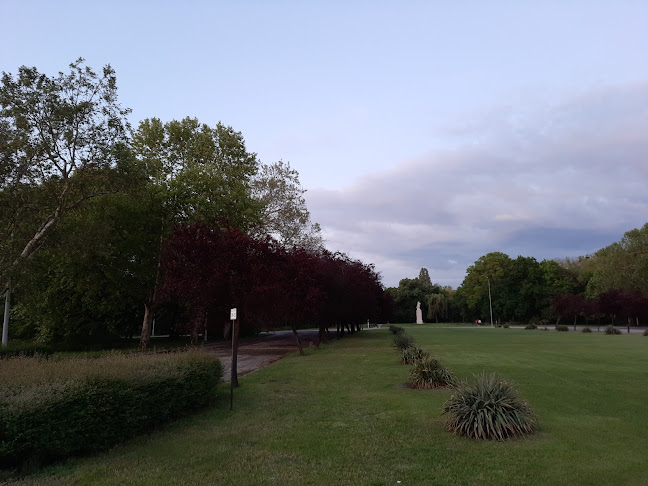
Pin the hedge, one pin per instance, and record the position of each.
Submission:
(47, 421)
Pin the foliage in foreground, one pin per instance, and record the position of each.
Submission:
(411, 355)
(402, 341)
(489, 408)
(429, 372)
(612, 330)
(396, 329)
(55, 409)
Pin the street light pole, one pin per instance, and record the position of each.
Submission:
(490, 301)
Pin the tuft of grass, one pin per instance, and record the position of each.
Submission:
(402, 341)
(489, 408)
(411, 355)
(610, 330)
(396, 329)
(429, 372)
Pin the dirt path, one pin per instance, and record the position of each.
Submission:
(257, 352)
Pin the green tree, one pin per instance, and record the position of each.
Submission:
(622, 265)
(437, 306)
(285, 216)
(472, 294)
(59, 136)
(196, 173)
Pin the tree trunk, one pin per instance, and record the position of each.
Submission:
(299, 344)
(147, 325)
(575, 317)
(5, 322)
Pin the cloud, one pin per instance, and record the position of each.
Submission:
(563, 180)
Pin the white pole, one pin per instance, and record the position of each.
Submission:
(490, 301)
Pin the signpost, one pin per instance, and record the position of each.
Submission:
(233, 374)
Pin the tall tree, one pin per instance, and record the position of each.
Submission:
(285, 216)
(58, 135)
(197, 173)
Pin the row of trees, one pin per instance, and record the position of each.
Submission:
(88, 205)
(208, 271)
(609, 283)
(613, 304)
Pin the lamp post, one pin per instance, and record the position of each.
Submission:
(490, 301)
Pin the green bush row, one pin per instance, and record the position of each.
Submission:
(48, 421)
(487, 408)
(25, 348)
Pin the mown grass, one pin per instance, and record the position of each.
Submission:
(343, 415)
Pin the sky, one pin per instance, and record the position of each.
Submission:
(426, 133)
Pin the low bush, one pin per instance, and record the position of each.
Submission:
(612, 330)
(55, 409)
(396, 329)
(413, 354)
(488, 409)
(25, 348)
(402, 341)
(562, 328)
(645, 333)
(531, 326)
(586, 329)
(505, 326)
(429, 372)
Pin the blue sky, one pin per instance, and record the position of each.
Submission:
(426, 133)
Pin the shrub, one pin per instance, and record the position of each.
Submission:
(429, 372)
(505, 326)
(396, 329)
(612, 330)
(488, 409)
(25, 348)
(531, 326)
(586, 329)
(562, 328)
(402, 341)
(57, 409)
(645, 333)
(413, 354)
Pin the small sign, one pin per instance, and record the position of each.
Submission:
(233, 314)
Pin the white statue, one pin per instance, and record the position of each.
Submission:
(419, 313)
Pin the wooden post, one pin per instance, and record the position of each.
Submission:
(233, 371)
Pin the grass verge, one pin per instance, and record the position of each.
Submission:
(343, 415)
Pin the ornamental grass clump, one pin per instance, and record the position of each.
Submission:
(429, 372)
(396, 329)
(402, 341)
(411, 355)
(612, 330)
(586, 329)
(489, 408)
(531, 326)
(562, 328)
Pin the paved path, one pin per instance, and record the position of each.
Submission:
(257, 352)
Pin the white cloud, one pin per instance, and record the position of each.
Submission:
(564, 181)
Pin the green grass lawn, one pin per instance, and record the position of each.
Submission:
(342, 416)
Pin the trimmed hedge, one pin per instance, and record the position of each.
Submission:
(25, 348)
(44, 422)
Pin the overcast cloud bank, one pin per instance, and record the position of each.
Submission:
(561, 181)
